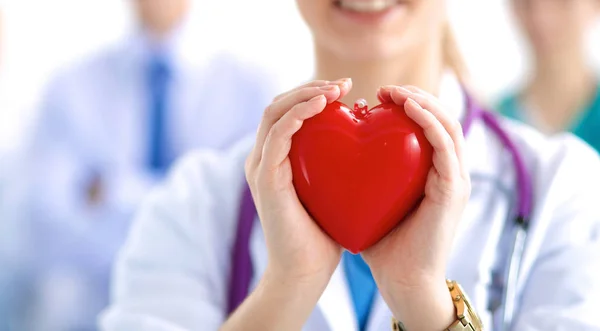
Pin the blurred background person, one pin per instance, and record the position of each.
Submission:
(108, 129)
(4, 263)
(9, 235)
(563, 92)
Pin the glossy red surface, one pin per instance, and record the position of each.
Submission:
(359, 172)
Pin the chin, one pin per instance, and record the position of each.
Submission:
(366, 30)
(365, 49)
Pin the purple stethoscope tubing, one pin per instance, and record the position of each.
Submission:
(523, 215)
(523, 179)
(241, 262)
(524, 209)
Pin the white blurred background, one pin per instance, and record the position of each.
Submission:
(42, 36)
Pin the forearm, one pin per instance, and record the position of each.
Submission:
(277, 303)
(421, 308)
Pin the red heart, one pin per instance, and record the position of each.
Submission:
(359, 172)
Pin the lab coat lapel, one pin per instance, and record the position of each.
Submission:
(475, 254)
(258, 252)
(336, 304)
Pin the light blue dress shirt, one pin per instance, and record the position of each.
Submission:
(362, 286)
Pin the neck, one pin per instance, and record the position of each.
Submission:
(561, 73)
(159, 30)
(157, 35)
(561, 86)
(421, 70)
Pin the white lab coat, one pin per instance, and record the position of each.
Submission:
(93, 124)
(172, 273)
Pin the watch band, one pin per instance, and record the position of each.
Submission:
(397, 326)
(467, 319)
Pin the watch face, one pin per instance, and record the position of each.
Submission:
(472, 312)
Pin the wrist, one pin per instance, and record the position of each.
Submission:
(293, 284)
(277, 303)
(427, 307)
(299, 277)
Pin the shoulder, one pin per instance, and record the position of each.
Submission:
(75, 90)
(555, 154)
(87, 71)
(558, 164)
(246, 75)
(564, 232)
(565, 175)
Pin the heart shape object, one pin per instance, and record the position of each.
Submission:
(359, 172)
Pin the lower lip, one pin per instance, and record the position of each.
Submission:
(370, 17)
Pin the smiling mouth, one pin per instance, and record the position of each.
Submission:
(366, 6)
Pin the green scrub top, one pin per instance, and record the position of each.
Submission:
(586, 125)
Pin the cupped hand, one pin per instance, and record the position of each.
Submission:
(297, 247)
(409, 264)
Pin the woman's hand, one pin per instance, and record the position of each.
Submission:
(302, 257)
(409, 265)
(298, 249)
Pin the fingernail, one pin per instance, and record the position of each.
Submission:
(317, 98)
(342, 81)
(403, 90)
(328, 87)
(413, 103)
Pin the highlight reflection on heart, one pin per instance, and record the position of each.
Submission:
(359, 173)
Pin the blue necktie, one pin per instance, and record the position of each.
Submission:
(362, 286)
(158, 78)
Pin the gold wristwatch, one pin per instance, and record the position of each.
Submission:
(467, 319)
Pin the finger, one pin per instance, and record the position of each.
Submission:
(451, 124)
(316, 83)
(429, 102)
(345, 85)
(384, 94)
(445, 159)
(399, 95)
(277, 109)
(277, 145)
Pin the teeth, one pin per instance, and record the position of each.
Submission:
(367, 6)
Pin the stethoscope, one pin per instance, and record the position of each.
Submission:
(241, 267)
(524, 207)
